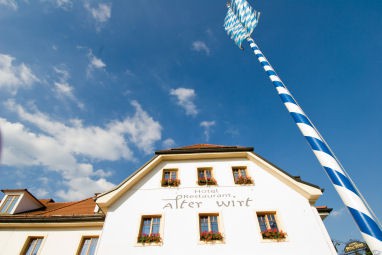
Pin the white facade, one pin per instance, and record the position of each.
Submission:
(236, 205)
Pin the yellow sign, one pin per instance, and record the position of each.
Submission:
(353, 246)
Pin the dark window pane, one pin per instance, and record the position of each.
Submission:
(214, 223)
(203, 223)
(262, 223)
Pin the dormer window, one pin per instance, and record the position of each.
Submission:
(9, 204)
(18, 201)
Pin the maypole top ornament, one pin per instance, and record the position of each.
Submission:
(240, 21)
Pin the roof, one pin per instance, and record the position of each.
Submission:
(200, 148)
(324, 209)
(52, 211)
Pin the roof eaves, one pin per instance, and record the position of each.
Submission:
(127, 179)
(296, 178)
(40, 219)
(204, 150)
(324, 209)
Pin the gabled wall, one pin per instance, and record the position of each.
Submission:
(27, 203)
(180, 208)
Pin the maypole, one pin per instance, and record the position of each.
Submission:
(239, 23)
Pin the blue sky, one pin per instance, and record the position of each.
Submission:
(90, 89)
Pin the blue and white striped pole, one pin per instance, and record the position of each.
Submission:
(239, 23)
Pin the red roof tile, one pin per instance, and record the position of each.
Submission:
(78, 208)
(203, 147)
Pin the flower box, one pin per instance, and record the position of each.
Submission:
(243, 180)
(207, 181)
(273, 234)
(170, 182)
(152, 238)
(211, 236)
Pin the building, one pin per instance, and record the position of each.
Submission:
(190, 200)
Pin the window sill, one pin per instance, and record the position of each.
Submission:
(211, 242)
(148, 244)
(274, 240)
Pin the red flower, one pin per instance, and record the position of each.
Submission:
(210, 236)
(273, 234)
(170, 182)
(152, 238)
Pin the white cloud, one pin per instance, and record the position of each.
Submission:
(106, 143)
(40, 192)
(201, 46)
(10, 3)
(94, 63)
(62, 72)
(63, 148)
(64, 4)
(338, 213)
(142, 130)
(62, 88)
(206, 125)
(129, 72)
(101, 14)
(185, 99)
(168, 143)
(83, 185)
(13, 77)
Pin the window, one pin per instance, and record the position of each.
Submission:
(268, 226)
(205, 177)
(149, 231)
(240, 175)
(170, 178)
(33, 245)
(88, 245)
(209, 227)
(9, 203)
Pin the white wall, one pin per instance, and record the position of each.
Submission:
(56, 240)
(180, 226)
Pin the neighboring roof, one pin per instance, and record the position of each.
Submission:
(200, 148)
(296, 178)
(82, 210)
(324, 209)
